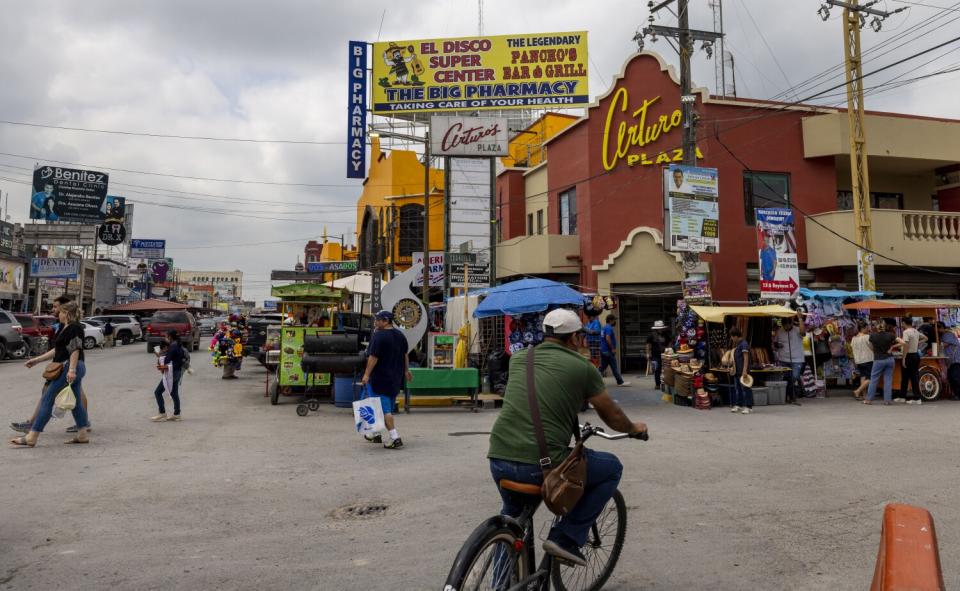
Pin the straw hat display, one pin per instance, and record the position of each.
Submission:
(685, 350)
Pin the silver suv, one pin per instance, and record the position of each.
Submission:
(126, 328)
(10, 337)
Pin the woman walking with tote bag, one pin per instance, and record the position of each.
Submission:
(67, 367)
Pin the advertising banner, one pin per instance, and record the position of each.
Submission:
(54, 268)
(333, 267)
(357, 110)
(488, 72)
(468, 136)
(693, 211)
(6, 237)
(69, 195)
(697, 291)
(436, 269)
(11, 277)
(779, 272)
(479, 271)
(147, 249)
(159, 270)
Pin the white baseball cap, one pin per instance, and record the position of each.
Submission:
(561, 322)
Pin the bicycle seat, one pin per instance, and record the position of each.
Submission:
(520, 487)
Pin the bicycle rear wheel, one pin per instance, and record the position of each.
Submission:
(489, 560)
(602, 551)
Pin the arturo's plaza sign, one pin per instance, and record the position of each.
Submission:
(633, 140)
(468, 136)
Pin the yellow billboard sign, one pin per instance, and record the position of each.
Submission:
(472, 73)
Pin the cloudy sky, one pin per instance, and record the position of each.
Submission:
(277, 70)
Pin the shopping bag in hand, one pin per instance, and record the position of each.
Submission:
(65, 401)
(368, 414)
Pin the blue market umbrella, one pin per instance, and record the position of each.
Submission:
(525, 296)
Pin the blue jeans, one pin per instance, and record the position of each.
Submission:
(742, 396)
(175, 394)
(610, 360)
(793, 379)
(882, 367)
(603, 476)
(50, 394)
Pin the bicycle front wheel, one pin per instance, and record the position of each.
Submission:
(491, 559)
(602, 551)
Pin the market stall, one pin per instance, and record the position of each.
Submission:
(705, 361)
(830, 328)
(934, 365)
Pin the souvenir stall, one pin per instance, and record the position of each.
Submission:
(933, 363)
(521, 305)
(756, 323)
(830, 328)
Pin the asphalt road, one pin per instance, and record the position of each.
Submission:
(244, 495)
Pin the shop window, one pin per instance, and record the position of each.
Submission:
(411, 230)
(529, 224)
(877, 200)
(568, 212)
(764, 189)
(539, 221)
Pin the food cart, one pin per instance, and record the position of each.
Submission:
(933, 364)
(308, 310)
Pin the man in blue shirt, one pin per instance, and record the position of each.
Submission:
(608, 350)
(39, 201)
(386, 368)
(593, 330)
(768, 259)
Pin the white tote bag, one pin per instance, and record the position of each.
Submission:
(368, 415)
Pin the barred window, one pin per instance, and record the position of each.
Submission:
(411, 230)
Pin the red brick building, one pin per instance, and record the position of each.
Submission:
(592, 214)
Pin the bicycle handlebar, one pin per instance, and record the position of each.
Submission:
(587, 431)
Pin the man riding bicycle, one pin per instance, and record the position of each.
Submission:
(563, 381)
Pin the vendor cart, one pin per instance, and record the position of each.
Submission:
(933, 364)
(308, 310)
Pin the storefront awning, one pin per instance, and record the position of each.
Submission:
(838, 293)
(905, 307)
(719, 313)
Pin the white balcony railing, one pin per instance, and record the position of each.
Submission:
(931, 225)
(922, 238)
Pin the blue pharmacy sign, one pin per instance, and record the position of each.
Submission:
(357, 110)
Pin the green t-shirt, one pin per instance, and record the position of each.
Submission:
(564, 379)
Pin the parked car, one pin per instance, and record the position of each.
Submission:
(11, 338)
(179, 320)
(209, 324)
(92, 335)
(126, 328)
(257, 329)
(34, 330)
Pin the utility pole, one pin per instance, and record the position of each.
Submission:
(853, 20)
(685, 37)
(426, 221)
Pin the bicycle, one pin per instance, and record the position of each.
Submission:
(500, 553)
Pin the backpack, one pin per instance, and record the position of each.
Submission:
(185, 365)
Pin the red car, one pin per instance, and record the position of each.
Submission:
(37, 326)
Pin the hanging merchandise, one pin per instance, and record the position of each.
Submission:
(525, 331)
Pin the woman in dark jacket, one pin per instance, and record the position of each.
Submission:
(68, 351)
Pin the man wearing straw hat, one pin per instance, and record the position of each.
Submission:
(655, 344)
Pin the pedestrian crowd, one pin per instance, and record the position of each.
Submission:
(65, 369)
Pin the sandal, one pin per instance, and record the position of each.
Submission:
(21, 442)
(868, 402)
(76, 441)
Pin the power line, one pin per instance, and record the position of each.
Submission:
(927, 5)
(169, 136)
